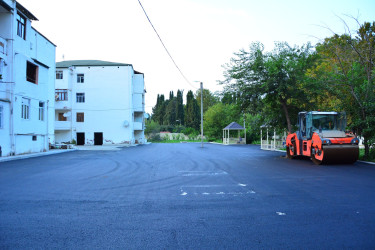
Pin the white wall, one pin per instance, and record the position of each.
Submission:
(63, 136)
(19, 51)
(4, 131)
(108, 103)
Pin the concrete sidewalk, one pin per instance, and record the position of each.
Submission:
(31, 155)
(112, 147)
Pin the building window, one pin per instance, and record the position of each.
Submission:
(1, 116)
(41, 111)
(59, 74)
(80, 78)
(32, 73)
(61, 95)
(25, 112)
(62, 117)
(21, 26)
(80, 97)
(34, 137)
(80, 117)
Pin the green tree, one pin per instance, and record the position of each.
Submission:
(152, 127)
(346, 70)
(218, 117)
(192, 113)
(271, 80)
(209, 99)
(180, 116)
(158, 111)
(170, 112)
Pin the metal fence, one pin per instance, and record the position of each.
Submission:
(270, 140)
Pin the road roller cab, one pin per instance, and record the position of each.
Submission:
(321, 136)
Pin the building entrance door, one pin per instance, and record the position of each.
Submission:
(98, 138)
(80, 138)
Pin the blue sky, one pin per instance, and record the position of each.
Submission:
(201, 35)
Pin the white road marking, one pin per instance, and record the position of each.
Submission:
(280, 213)
(200, 173)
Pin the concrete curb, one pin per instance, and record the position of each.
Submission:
(32, 155)
(368, 162)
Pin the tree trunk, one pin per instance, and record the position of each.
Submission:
(367, 148)
(285, 108)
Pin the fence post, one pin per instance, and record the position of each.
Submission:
(274, 139)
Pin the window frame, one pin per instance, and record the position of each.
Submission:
(21, 26)
(61, 117)
(41, 111)
(61, 95)
(59, 73)
(1, 116)
(80, 98)
(30, 78)
(80, 78)
(80, 117)
(25, 109)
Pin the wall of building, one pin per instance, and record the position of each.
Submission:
(63, 136)
(37, 50)
(108, 106)
(4, 130)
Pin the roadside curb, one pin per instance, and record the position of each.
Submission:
(368, 162)
(32, 155)
(217, 143)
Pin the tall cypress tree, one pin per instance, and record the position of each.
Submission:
(158, 110)
(192, 114)
(180, 108)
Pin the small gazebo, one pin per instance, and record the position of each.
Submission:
(234, 140)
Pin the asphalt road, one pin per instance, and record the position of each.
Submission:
(178, 196)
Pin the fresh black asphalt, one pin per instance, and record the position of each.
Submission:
(181, 196)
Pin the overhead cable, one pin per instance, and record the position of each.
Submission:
(165, 46)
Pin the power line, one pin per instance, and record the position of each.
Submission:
(165, 46)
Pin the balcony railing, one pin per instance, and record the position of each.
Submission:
(63, 105)
(138, 126)
(137, 102)
(62, 125)
(3, 46)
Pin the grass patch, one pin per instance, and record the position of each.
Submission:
(362, 155)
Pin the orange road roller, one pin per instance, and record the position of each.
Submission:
(321, 136)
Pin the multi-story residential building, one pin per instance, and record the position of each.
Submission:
(99, 102)
(27, 80)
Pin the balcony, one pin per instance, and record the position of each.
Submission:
(3, 47)
(63, 105)
(138, 102)
(138, 126)
(62, 125)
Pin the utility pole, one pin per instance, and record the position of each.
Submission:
(202, 112)
(244, 125)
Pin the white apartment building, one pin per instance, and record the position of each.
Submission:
(99, 102)
(27, 80)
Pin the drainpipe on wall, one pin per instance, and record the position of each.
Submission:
(47, 134)
(12, 81)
